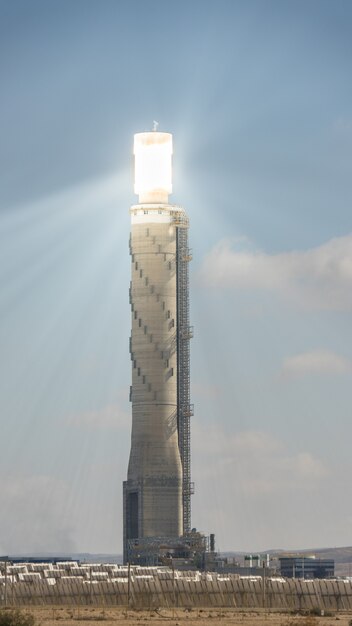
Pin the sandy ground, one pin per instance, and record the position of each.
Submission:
(87, 616)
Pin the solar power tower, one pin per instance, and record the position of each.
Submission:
(157, 493)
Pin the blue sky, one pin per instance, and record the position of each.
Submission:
(258, 97)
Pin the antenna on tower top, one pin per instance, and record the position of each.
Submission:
(155, 125)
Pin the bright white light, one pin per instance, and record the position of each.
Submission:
(153, 173)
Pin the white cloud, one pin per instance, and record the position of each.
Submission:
(110, 417)
(206, 391)
(32, 515)
(315, 362)
(252, 491)
(318, 278)
(261, 463)
(343, 125)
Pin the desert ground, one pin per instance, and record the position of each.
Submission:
(83, 616)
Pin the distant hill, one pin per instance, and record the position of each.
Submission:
(342, 557)
(77, 556)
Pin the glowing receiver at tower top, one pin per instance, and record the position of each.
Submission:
(153, 171)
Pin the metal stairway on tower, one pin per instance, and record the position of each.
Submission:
(184, 334)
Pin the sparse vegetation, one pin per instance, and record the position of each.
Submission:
(14, 617)
(304, 621)
(314, 611)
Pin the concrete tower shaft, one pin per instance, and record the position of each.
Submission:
(157, 490)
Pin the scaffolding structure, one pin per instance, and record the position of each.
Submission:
(184, 334)
(151, 551)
